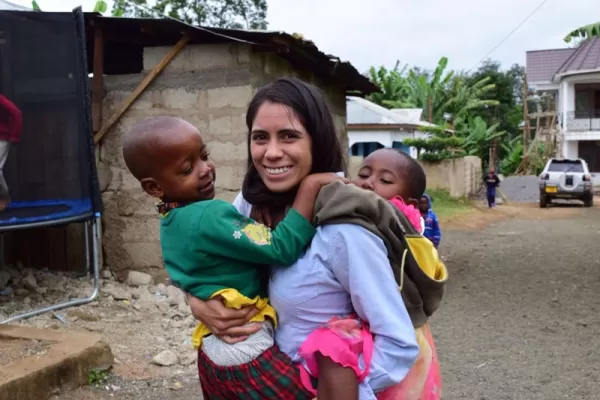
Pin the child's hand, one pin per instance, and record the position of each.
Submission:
(309, 190)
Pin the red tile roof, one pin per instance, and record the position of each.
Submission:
(585, 58)
(541, 65)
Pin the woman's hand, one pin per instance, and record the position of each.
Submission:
(230, 325)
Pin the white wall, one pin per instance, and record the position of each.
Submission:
(386, 138)
(571, 150)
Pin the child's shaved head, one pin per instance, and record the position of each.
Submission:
(169, 158)
(390, 173)
(143, 146)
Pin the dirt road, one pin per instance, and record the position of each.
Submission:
(520, 320)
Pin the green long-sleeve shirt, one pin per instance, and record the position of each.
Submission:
(209, 246)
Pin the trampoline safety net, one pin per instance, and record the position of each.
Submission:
(50, 171)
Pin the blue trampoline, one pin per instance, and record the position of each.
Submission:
(51, 172)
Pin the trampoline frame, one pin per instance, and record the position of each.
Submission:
(91, 260)
(92, 219)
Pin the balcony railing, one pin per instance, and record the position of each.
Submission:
(583, 121)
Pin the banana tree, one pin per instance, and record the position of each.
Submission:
(419, 90)
(479, 136)
(392, 83)
(584, 32)
(513, 150)
(463, 97)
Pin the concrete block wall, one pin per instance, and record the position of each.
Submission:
(461, 177)
(208, 85)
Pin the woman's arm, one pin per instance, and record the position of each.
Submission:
(228, 324)
(359, 262)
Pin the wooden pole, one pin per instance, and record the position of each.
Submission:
(429, 106)
(97, 80)
(141, 87)
(526, 126)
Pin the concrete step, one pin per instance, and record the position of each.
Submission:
(64, 361)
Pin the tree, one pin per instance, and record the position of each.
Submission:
(426, 91)
(584, 32)
(391, 83)
(479, 136)
(233, 14)
(507, 92)
(446, 91)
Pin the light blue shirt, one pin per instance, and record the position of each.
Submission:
(345, 269)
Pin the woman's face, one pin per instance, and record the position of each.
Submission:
(280, 147)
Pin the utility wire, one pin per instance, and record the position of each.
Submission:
(510, 34)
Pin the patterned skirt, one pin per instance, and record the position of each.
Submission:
(270, 376)
(424, 381)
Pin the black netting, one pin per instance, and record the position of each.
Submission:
(43, 71)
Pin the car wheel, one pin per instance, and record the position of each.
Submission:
(589, 200)
(543, 201)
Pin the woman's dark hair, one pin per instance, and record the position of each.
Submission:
(310, 106)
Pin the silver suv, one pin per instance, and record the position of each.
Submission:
(566, 179)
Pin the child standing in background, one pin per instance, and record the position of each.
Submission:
(491, 181)
(432, 226)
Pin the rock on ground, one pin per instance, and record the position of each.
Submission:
(165, 358)
(519, 319)
(135, 278)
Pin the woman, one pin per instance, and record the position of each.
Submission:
(292, 134)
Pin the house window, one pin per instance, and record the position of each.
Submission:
(401, 146)
(589, 150)
(363, 149)
(587, 101)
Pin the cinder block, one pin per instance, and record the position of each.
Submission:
(224, 152)
(232, 96)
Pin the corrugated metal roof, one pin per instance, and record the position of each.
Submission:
(541, 65)
(363, 111)
(7, 5)
(586, 57)
(412, 115)
(301, 53)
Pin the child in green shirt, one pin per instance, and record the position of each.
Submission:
(209, 249)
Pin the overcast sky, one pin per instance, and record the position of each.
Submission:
(418, 32)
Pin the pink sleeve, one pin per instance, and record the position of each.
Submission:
(16, 117)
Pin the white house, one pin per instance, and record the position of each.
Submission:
(573, 75)
(372, 127)
(7, 5)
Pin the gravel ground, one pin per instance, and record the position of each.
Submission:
(520, 319)
(521, 189)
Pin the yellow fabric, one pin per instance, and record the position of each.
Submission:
(234, 299)
(427, 257)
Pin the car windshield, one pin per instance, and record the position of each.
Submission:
(565, 166)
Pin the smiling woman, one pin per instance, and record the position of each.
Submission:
(291, 135)
(278, 145)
